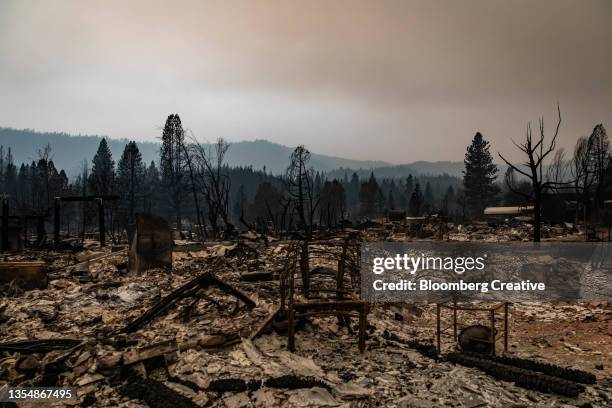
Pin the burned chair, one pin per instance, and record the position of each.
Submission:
(326, 291)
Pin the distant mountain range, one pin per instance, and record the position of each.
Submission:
(402, 170)
(69, 152)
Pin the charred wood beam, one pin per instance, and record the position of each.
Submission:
(426, 349)
(265, 324)
(330, 306)
(156, 394)
(289, 382)
(553, 370)
(203, 281)
(529, 379)
(224, 385)
(40, 346)
(294, 382)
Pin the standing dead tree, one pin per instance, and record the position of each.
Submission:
(599, 152)
(189, 154)
(213, 181)
(583, 176)
(299, 183)
(536, 152)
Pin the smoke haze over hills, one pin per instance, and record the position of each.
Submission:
(397, 81)
(69, 151)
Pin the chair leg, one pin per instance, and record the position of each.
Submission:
(291, 341)
(362, 327)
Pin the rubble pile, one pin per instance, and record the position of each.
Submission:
(511, 231)
(483, 231)
(185, 338)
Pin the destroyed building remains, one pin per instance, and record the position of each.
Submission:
(228, 324)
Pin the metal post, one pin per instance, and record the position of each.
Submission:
(362, 327)
(341, 265)
(101, 222)
(438, 327)
(26, 241)
(5, 225)
(492, 312)
(56, 221)
(455, 321)
(506, 327)
(40, 230)
(291, 340)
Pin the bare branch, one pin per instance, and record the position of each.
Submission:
(513, 166)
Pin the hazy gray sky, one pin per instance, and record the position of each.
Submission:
(392, 80)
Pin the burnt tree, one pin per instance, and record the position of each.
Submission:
(299, 183)
(536, 152)
(214, 182)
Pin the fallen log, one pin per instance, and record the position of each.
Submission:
(529, 379)
(223, 385)
(426, 349)
(289, 382)
(570, 374)
(156, 394)
(203, 281)
(294, 382)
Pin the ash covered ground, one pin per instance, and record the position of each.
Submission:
(199, 351)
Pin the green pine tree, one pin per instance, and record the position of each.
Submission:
(415, 206)
(172, 165)
(130, 176)
(428, 196)
(10, 175)
(479, 176)
(369, 197)
(151, 188)
(102, 176)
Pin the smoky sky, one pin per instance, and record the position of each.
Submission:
(389, 80)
